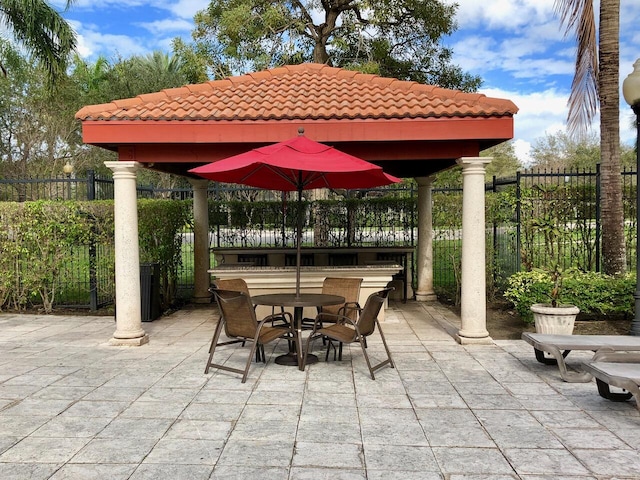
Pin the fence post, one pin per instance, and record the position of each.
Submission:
(283, 206)
(93, 274)
(413, 221)
(494, 256)
(350, 225)
(518, 220)
(91, 185)
(598, 224)
(93, 271)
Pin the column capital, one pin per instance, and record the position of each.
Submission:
(123, 169)
(199, 183)
(474, 160)
(424, 181)
(474, 165)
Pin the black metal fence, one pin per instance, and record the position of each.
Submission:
(91, 187)
(534, 219)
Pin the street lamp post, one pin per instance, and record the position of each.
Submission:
(68, 170)
(631, 93)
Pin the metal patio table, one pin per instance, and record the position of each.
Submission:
(298, 302)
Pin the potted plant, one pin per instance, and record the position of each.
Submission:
(555, 317)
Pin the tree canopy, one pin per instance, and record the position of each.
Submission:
(401, 39)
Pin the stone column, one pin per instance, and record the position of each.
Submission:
(424, 260)
(474, 288)
(129, 330)
(201, 273)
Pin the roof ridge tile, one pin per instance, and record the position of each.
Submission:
(240, 79)
(344, 73)
(152, 97)
(126, 102)
(260, 75)
(177, 91)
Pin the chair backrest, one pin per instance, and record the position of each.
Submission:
(349, 288)
(237, 311)
(234, 284)
(367, 319)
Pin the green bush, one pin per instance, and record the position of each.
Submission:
(160, 225)
(39, 242)
(593, 293)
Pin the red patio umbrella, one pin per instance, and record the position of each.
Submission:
(296, 164)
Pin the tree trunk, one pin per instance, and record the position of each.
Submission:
(613, 247)
(322, 33)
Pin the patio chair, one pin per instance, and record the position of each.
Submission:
(234, 284)
(239, 285)
(346, 330)
(231, 284)
(346, 287)
(618, 369)
(238, 318)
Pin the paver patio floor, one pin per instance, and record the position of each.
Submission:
(72, 407)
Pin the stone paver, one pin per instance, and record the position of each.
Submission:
(73, 407)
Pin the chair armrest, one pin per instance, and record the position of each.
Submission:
(339, 319)
(273, 316)
(349, 307)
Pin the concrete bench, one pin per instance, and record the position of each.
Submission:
(327, 257)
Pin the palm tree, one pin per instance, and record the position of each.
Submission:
(42, 31)
(596, 83)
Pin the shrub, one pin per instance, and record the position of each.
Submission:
(592, 292)
(160, 226)
(37, 242)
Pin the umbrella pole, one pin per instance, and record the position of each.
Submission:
(299, 236)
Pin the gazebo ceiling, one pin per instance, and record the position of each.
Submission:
(410, 129)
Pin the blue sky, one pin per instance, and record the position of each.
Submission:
(516, 46)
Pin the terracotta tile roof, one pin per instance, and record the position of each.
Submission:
(307, 91)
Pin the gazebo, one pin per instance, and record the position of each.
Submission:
(410, 129)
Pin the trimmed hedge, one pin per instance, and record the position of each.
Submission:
(593, 293)
(38, 240)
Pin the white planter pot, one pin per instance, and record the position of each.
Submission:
(554, 320)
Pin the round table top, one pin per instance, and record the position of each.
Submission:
(302, 300)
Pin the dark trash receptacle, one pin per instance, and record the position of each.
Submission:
(150, 291)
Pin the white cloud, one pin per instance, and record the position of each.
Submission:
(91, 42)
(545, 112)
(540, 113)
(100, 4)
(522, 149)
(502, 14)
(161, 27)
(184, 8)
(181, 8)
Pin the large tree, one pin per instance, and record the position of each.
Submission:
(394, 38)
(38, 131)
(596, 84)
(561, 151)
(40, 29)
(104, 81)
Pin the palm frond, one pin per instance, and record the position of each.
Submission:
(42, 31)
(577, 17)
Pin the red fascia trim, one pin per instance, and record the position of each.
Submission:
(112, 133)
